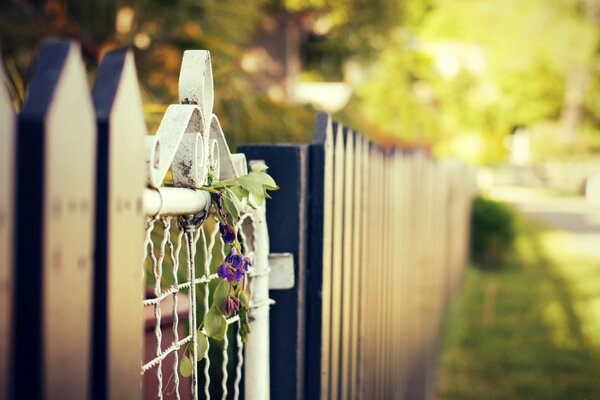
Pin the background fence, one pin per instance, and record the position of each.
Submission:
(377, 237)
(382, 240)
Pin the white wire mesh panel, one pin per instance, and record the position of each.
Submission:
(180, 271)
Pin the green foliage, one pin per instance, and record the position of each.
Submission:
(251, 188)
(159, 32)
(461, 75)
(355, 27)
(492, 232)
(244, 297)
(185, 366)
(388, 101)
(215, 323)
(229, 294)
(201, 345)
(527, 331)
(220, 295)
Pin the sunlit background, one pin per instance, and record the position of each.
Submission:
(460, 76)
(510, 85)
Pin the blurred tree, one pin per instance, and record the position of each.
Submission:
(342, 30)
(492, 65)
(459, 73)
(159, 31)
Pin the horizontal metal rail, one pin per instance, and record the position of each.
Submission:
(176, 346)
(175, 201)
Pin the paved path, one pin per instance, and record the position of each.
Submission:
(571, 214)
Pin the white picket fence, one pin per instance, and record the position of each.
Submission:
(108, 249)
(387, 234)
(73, 300)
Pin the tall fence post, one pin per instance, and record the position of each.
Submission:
(56, 145)
(118, 290)
(256, 369)
(320, 246)
(7, 137)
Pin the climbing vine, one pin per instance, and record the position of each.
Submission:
(231, 295)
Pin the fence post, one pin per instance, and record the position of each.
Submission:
(7, 137)
(256, 369)
(53, 230)
(358, 212)
(286, 215)
(319, 259)
(118, 286)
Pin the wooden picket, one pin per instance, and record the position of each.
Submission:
(388, 233)
(7, 137)
(378, 237)
(119, 229)
(56, 149)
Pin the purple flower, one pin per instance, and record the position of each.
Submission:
(238, 274)
(232, 304)
(224, 271)
(237, 260)
(247, 263)
(227, 233)
(230, 255)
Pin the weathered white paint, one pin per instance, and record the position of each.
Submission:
(180, 147)
(175, 201)
(191, 142)
(256, 369)
(240, 163)
(196, 83)
(227, 168)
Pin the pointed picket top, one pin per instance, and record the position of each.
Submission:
(51, 60)
(338, 134)
(323, 129)
(7, 138)
(56, 145)
(121, 178)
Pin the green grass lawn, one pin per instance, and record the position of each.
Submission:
(530, 330)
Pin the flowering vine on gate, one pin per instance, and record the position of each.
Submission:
(231, 296)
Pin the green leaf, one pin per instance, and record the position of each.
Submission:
(185, 366)
(266, 180)
(244, 324)
(233, 195)
(258, 167)
(239, 192)
(244, 297)
(230, 205)
(220, 294)
(215, 324)
(201, 345)
(251, 184)
(255, 200)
